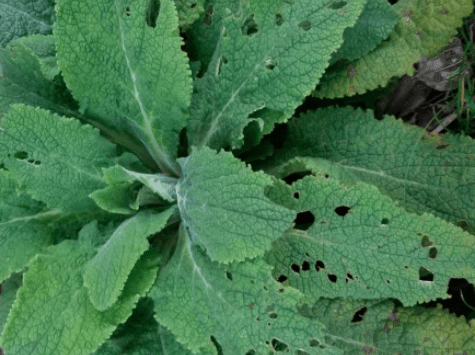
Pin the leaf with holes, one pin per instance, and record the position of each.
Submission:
(196, 199)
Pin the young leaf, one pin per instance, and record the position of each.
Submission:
(239, 304)
(57, 159)
(223, 207)
(126, 70)
(106, 273)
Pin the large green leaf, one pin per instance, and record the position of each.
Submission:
(223, 207)
(359, 244)
(378, 327)
(270, 55)
(433, 175)
(56, 158)
(239, 304)
(123, 62)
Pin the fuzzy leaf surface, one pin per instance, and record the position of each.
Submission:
(433, 175)
(53, 314)
(239, 304)
(386, 329)
(106, 273)
(127, 68)
(270, 54)
(223, 207)
(58, 159)
(361, 245)
(21, 18)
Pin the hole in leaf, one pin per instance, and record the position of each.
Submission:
(384, 221)
(208, 19)
(273, 315)
(426, 241)
(359, 315)
(433, 252)
(349, 276)
(282, 278)
(34, 162)
(304, 220)
(332, 278)
(216, 344)
(21, 155)
(280, 290)
(336, 5)
(249, 26)
(127, 11)
(388, 282)
(295, 268)
(425, 275)
(327, 176)
(279, 20)
(319, 265)
(279, 346)
(152, 13)
(229, 275)
(342, 210)
(296, 176)
(251, 352)
(296, 195)
(265, 288)
(305, 25)
(269, 64)
(192, 6)
(258, 318)
(222, 61)
(306, 266)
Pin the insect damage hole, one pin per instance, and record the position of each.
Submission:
(153, 12)
(359, 315)
(305, 25)
(250, 26)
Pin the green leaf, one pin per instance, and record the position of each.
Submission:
(22, 236)
(239, 304)
(360, 244)
(121, 195)
(108, 54)
(25, 17)
(8, 290)
(52, 313)
(56, 158)
(270, 54)
(188, 11)
(376, 22)
(223, 207)
(27, 68)
(142, 335)
(382, 328)
(423, 28)
(423, 175)
(105, 274)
